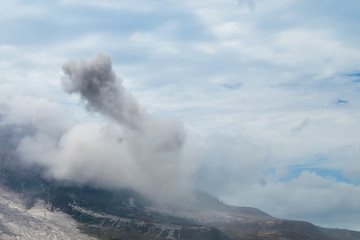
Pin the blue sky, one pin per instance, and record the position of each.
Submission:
(268, 89)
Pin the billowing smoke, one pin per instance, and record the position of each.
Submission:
(103, 92)
(134, 149)
(98, 85)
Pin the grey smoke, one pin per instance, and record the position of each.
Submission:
(133, 149)
(102, 90)
(129, 147)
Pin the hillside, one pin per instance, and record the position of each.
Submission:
(36, 206)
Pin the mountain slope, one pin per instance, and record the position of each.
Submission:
(31, 206)
(39, 222)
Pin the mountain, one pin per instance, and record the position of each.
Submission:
(33, 207)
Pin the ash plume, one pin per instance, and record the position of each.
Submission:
(104, 93)
(102, 90)
(133, 149)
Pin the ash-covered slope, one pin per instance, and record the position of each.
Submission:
(39, 222)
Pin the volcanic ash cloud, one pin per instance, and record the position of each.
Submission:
(103, 92)
(134, 149)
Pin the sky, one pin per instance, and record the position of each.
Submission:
(266, 92)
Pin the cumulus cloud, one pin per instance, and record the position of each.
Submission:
(308, 197)
(346, 159)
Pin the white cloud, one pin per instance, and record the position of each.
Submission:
(321, 200)
(230, 161)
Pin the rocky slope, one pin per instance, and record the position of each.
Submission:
(39, 222)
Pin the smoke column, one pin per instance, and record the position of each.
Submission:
(103, 92)
(136, 150)
(98, 85)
